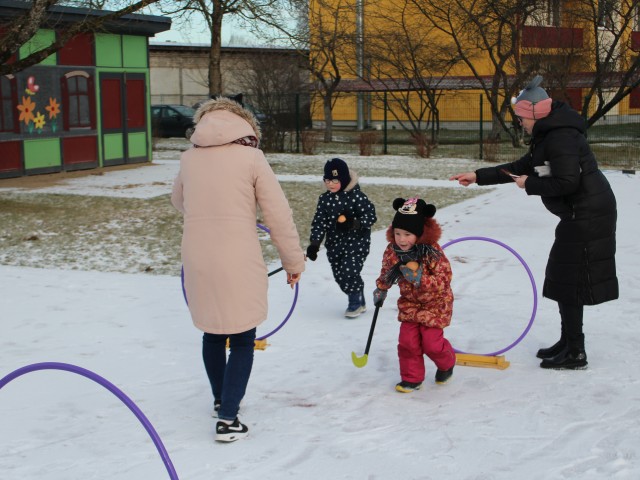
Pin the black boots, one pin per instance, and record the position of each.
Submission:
(571, 356)
(553, 350)
(568, 353)
(567, 359)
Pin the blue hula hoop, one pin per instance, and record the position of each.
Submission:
(286, 318)
(533, 286)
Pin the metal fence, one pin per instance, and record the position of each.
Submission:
(295, 123)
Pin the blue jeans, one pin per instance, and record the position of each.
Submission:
(228, 379)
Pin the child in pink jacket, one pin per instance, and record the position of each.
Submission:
(416, 262)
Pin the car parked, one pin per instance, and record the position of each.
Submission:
(169, 120)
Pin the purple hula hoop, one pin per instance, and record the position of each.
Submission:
(533, 285)
(286, 318)
(109, 386)
(293, 304)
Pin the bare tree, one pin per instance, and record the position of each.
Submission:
(331, 39)
(187, 12)
(602, 63)
(275, 87)
(405, 62)
(485, 35)
(615, 66)
(16, 32)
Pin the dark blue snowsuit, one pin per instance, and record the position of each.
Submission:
(346, 251)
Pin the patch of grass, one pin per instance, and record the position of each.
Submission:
(144, 235)
(90, 233)
(303, 200)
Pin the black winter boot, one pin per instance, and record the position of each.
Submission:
(552, 351)
(572, 357)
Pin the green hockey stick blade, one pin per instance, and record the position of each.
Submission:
(359, 361)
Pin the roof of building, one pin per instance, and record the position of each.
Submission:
(452, 82)
(204, 47)
(133, 24)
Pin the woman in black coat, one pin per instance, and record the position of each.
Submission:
(561, 168)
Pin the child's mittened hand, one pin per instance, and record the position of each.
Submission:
(312, 252)
(410, 274)
(378, 297)
(346, 223)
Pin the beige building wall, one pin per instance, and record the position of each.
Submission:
(179, 72)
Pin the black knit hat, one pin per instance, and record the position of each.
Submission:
(411, 214)
(337, 168)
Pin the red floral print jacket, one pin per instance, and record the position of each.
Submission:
(431, 302)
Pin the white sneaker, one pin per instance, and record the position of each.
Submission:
(355, 313)
(230, 432)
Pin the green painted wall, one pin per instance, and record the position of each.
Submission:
(42, 39)
(113, 146)
(42, 153)
(138, 144)
(134, 51)
(108, 50)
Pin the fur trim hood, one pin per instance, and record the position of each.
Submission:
(221, 121)
(430, 236)
(353, 182)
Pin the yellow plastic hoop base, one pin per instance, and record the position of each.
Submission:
(471, 360)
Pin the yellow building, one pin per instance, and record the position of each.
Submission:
(429, 57)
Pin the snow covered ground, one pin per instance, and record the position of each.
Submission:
(312, 414)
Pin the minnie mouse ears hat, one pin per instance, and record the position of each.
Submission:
(532, 102)
(411, 214)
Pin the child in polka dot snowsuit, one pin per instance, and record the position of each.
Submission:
(343, 218)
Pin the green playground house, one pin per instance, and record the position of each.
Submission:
(85, 106)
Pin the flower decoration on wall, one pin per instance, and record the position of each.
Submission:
(39, 122)
(26, 112)
(54, 109)
(32, 88)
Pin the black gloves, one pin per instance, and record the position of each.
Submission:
(348, 222)
(379, 297)
(312, 252)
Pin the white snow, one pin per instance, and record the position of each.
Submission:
(311, 413)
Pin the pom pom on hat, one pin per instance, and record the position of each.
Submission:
(532, 102)
(336, 168)
(411, 214)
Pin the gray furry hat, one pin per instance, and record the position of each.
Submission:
(532, 102)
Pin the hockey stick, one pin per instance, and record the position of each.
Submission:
(362, 361)
(275, 271)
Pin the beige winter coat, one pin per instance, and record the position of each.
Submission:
(218, 190)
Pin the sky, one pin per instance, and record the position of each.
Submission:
(311, 413)
(198, 32)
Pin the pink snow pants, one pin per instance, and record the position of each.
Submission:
(416, 340)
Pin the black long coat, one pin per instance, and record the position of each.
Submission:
(563, 171)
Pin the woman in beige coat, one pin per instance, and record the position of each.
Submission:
(222, 181)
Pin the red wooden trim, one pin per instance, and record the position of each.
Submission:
(64, 90)
(13, 94)
(92, 102)
(635, 41)
(11, 158)
(634, 98)
(111, 95)
(551, 37)
(77, 150)
(136, 114)
(78, 51)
